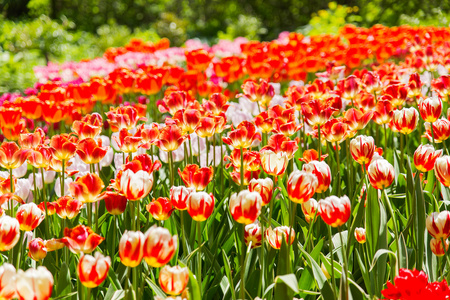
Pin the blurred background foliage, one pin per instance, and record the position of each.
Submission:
(34, 32)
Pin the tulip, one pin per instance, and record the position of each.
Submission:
(261, 93)
(322, 172)
(301, 186)
(32, 140)
(9, 232)
(170, 138)
(362, 148)
(425, 157)
(115, 203)
(63, 146)
(159, 246)
(37, 249)
(414, 85)
(243, 136)
(441, 130)
(131, 249)
(405, 120)
(160, 209)
(10, 116)
(264, 187)
(87, 188)
(335, 211)
(187, 119)
(90, 152)
(251, 159)
(349, 87)
(437, 248)
(383, 112)
(205, 127)
(273, 163)
(35, 284)
(200, 205)
(195, 177)
(81, 239)
(438, 225)
(430, 109)
(179, 196)
(275, 236)
(360, 235)
(11, 157)
(397, 93)
(123, 117)
(381, 173)
(89, 127)
(335, 130)
(173, 280)
(371, 82)
(252, 233)
(127, 142)
(66, 207)
(245, 207)
(7, 281)
(310, 208)
(93, 270)
(173, 102)
(29, 216)
(135, 185)
(356, 119)
(317, 112)
(442, 169)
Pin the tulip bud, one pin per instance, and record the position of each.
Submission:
(245, 207)
(115, 203)
(323, 173)
(68, 207)
(136, 186)
(425, 157)
(362, 148)
(430, 109)
(200, 205)
(252, 233)
(7, 281)
(37, 249)
(173, 280)
(160, 209)
(442, 169)
(335, 211)
(273, 163)
(405, 120)
(437, 248)
(264, 187)
(179, 196)
(360, 235)
(275, 236)
(301, 186)
(36, 284)
(92, 271)
(381, 173)
(159, 246)
(309, 208)
(29, 216)
(438, 225)
(9, 232)
(131, 249)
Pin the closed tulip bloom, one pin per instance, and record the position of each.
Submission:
(123, 117)
(135, 185)
(437, 248)
(430, 109)
(37, 249)
(322, 172)
(335, 130)
(81, 239)
(360, 235)
(200, 205)
(438, 225)
(310, 208)
(34, 284)
(195, 177)
(115, 203)
(253, 233)
(29, 216)
(275, 236)
(11, 157)
(441, 130)
(93, 270)
(131, 249)
(9, 232)
(442, 169)
(68, 207)
(362, 148)
(316, 112)
(381, 173)
(356, 119)
(32, 140)
(264, 187)
(159, 246)
(335, 211)
(63, 146)
(160, 208)
(87, 188)
(383, 112)
(243, 136)
(245, 207)
(170, 138)
(405, 120)
(301, 186)
(10, 116)
(90, 151)
(206, 127)
(273, 163)
(425, 156)
(173, 280)
(90, 126)
(7, 282)
(179, 196)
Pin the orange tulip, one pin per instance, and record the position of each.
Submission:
(173, 280)
(383, 112)
(159, 246)
(127, 142)
(310, 209)
(63, 146)
(335, 130)
(196, 177)
(245, 207)
(425, 156)
(9, 232)
(170, 138)
(37, 249)
(198, 59)
(335, 211)
(87, 188)
(29, 216)
(41, 157)
(200, 205)
(32, 140)
(11, 157)
(123, 117)
(10, 116)
(81, 239)
(437, 247)
(243, 136)
(131, 249)
(90, 126)
(92, 271)
(115, 203)
(301, 186)
(67, 207)
(90, 152)
(160, 209)
(316, 112)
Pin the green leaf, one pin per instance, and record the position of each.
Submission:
(377, 255)
(63, 285)
(65, 296)
(228, 272)
(290, 280)
(158, 291)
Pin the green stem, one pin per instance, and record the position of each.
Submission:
(207, 151)
(394, 222)
(11, 186)
(263, 259)
(132, 216)
(333, 279)
(320, 143)
(171, 168)
(385, 136)
(242, 168)
(89, 214)
(34, 185)
(344, 281)
(244, 248)
(47, 219)
(338, 171)
(199, 256)
(199, 156)
(432, 135)
(88, 294)
(19, 252)
(190, 151)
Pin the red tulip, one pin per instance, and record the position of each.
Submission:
(173, 280)
(301, 186)
(243, 136)
(309, 209)
(425, 157)
(115, 203)
(63, 146)
(360, 235)
(90, 152)
(92, 271)
(405, 120)
(322, 172)
(159, 246)
(362, 149)
(381, 173)
(335, 211)
(264, 187)
(11, 157)
(9, 232)
(67, 207)
(29, 216)
(131, 249)
(160, 209)
(81, 239)
(438, 225)
(179, 196)
(37, 249)
(195, 177)
(430, 109)
(200, 205)
(252, 233)
(245, 207)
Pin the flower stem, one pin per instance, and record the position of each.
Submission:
(242, 168)
(242, 285)
(20, 251)
(320, 143)
(344, 281)
(199, 256)
(338, 171)
(45, 205)
(333, 279)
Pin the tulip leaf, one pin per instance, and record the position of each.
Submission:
(228, 272)
(63, 286)
(65, 296)
(290, 280)
(377, 255)
(158, 291)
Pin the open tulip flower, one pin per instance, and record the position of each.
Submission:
(193, 159)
